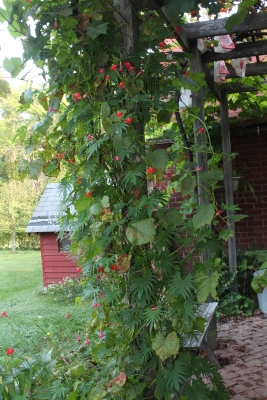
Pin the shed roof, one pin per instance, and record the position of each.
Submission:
(45, 216)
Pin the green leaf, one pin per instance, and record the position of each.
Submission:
(123, 142)
(35, 168)
(158, 159)
(206, 285)
(181, 287)
(236, 18)
(199, 324)
(172, 217)
(28, 94)
(188, 185)
(105, 202)
(263, 266)
(236, 217)
(259, 282)
(212, 176)
(42, 127)
(164, 116)
(96, 209)
(141, 232)
(107, 124)
(173, 8)
(166, 347)
(82, 205)
(105, 108)
(42, 100)
(12, 65)
(73, 395)
(203, 216)
(96, 28)
(78, 371)
(226, 233)
(63, 9)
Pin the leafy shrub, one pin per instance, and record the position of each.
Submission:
(64, 292)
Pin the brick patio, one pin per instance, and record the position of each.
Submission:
(243, 349)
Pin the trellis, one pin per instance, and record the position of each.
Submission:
(251, 28)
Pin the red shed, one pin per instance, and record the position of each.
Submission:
(56, 261)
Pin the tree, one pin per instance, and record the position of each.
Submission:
(17, 202)
(105, 84)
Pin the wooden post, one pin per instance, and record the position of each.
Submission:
(200, 135)
(228, 182)
(128, 18)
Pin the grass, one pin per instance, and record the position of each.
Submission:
(35, 321)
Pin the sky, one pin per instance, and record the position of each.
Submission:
(9, 47)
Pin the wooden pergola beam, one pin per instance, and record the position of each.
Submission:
(209, 28)
(247, 49)
(251, 70)
(236, 88)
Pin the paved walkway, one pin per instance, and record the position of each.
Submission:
(243, 354)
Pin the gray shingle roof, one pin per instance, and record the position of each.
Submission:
(44, 218)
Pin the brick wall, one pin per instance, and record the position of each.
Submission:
(252, 158)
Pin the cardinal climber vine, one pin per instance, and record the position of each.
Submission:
(138, 254)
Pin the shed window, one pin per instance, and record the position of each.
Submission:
(64, 244)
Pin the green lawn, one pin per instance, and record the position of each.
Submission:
(34, 320)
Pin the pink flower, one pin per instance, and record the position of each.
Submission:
(51, 109)
(78, 338)
(121, 85)
(90, 137)
(129, 121)
(200, 130)
(88, 194)
(218, 213)
(100, 269)
(76, 97)
(177, 29)
(101, 334)
(127, 64)
(114, 267)
(95, 305)
(117, 158)
(71, 161)
(107, 77)
(55, 24)
(10, 351)
(161, 44)
(186, 157)
(86, 340)
(3, 314)
(101, 70)
(113, 67)
(153, 308)
(67, 315)
(131, 68)
(78, 270)
(119, 114)
(200, 169)
(151, 170)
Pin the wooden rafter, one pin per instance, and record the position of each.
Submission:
(247, 49)
(203, 29)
